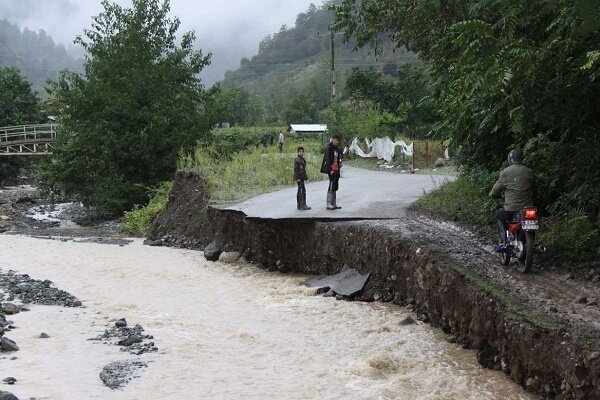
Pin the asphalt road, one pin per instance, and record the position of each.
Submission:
(362, 194)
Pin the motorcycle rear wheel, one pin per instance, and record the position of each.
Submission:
(505, 257)
(526, 259)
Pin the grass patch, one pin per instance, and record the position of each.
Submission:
(137, 221)
(466, 200)
(253, 171)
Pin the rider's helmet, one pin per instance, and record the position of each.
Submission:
(515, 157)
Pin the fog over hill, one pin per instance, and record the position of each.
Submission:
(229, 29)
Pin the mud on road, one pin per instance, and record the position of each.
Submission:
(568, 297)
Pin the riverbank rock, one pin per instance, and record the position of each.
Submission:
(121, 323)
(117, 374)
(230, 257)
(44, 335)
(7, 396)
(407, 321)
(30, 290)
(10, 380)
(9, 308)
(7, 345)
(133, 340)
(212, 251)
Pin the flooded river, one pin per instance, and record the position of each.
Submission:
(223, 332)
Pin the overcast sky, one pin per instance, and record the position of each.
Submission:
(230, 29)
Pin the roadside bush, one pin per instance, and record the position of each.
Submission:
(137, 221)
(466, 199)
(572, 234)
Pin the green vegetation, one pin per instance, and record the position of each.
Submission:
(137, 221)
(505, 74)
(18, 106)
(35, 54)
(465, 199)
(18, 103)
(236, 106)
(138, 103)
(234, 177)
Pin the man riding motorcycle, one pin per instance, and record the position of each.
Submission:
(518, 185)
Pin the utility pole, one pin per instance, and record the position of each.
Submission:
(332, 66)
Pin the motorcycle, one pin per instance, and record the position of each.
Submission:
(520, 239)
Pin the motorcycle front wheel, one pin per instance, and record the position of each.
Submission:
(526, 259)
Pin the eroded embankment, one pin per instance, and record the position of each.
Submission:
(543, 357)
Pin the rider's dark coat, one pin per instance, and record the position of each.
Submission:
(518, 184)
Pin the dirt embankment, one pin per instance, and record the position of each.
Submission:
(538, 329)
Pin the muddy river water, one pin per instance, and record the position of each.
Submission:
(224, 332)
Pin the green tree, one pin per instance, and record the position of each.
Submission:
(137, 104)
(237, 106)
(18, 103)
(301, 108)
(405, 95)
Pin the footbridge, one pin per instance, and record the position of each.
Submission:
(27, 140)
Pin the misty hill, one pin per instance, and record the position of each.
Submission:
(35, 54)
(299, 58)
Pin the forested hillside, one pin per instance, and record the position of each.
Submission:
(35, 54)
(296, 63)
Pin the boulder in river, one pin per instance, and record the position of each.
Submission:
(121, 323)
(212, 251)
(230, 257)
(9, 308)
(8, 345)
(130, 340)
(117, 374)
(407, 321)
(7, 396)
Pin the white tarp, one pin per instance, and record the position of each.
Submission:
(382, 148)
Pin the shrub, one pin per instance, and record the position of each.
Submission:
(138, 220)
(572, 234)
(466, 199)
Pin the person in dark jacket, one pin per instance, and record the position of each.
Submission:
(518, 185)
(300, 176)
(332, 164)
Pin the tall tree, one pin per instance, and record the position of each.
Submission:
(137, 104)
(18, 103)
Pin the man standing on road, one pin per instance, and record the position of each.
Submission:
(332, 164)
(300, 176)
(518, 185)
(281, 141)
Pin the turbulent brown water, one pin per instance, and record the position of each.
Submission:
(223, 332)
